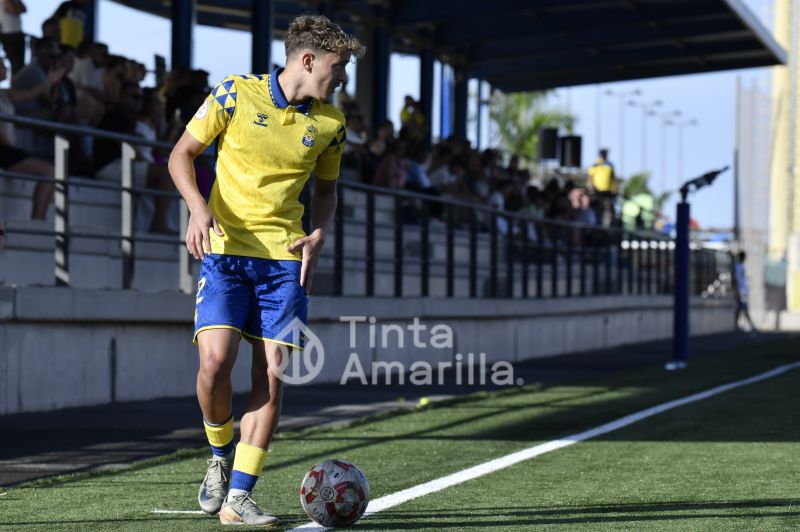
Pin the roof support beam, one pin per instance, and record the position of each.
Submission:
(262, 20)
(183, 12)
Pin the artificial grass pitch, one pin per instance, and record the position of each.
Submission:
(729, 462)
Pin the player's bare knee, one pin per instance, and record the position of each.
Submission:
(215, 368)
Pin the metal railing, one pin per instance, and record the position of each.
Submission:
(507, 254)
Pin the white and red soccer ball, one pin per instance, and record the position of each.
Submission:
(334, 493)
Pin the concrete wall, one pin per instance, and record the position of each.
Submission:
(66, 347)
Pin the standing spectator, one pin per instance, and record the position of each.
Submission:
(412, 121)
(16, 160)
(604, 183)
(742, 293)
(108, 154)
(11, 32)
(71, 18)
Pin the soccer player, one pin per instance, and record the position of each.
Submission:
(272, 131)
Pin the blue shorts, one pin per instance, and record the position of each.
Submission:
(260, 298)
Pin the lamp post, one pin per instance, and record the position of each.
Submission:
(680, 125)
(622, 95)
(680, 322)
(648, 109)
(666, 119)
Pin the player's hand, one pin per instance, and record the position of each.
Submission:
(198, 239)
(312, 246)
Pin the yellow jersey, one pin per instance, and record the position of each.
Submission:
(266, 151)
(602, 174)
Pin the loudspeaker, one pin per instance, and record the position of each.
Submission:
(548, 143)
(571, 151)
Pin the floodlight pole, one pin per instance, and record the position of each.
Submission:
(680, 334)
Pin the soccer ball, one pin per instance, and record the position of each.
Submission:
(334, 493)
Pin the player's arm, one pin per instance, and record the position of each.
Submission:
(208, 123)
(181, 168)
(323, 208)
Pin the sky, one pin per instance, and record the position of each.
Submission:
(709, 99)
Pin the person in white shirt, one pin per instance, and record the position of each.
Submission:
(11, 32)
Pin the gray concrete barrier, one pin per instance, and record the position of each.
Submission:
(63, 347)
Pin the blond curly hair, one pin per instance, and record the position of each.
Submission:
(317, 32)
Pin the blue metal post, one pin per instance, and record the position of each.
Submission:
(681, 311)
(262, 35)
(380, 68)
(90, 24)
(444, 103)
(461, 98)
(182, 28)
(426, 89)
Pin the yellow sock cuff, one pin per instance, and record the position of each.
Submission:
(219, 435)
(249, 459)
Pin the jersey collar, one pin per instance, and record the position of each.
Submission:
(279, 99)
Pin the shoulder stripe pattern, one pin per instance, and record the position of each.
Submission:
(225, 95)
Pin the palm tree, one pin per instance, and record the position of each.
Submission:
(519, 116)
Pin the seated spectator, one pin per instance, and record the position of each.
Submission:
(383, 137)
(356, 156)
(108, 154)
(392, 170)
(17, 160)
(51, 30)
(11, 32)
(35, 80)
(33, 96)
(87, 75)
(115, 74)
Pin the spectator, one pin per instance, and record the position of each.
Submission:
(108, 156)
(16, 160)
(71, 17)
(603, 183)
(115, 74)
(356, 154)
(34, 97)
(87, 75)
(392, 170)
(413, 123)
(742, 293)
(11, 32)
(35, 80)
(51, 30)
(383, 138)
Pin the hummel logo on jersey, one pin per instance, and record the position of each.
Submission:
(261, 120)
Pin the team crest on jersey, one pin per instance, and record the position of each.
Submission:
(310, 136)
(202, 112)
(262, 120)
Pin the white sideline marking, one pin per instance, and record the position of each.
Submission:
(193, 512)
(394, 499)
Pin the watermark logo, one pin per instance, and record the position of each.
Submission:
(299, 366)
(302, 366)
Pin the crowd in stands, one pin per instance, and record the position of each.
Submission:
(454, 169)
(78, 82)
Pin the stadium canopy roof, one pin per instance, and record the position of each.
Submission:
(520, 45)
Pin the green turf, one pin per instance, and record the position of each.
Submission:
(727, 463)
